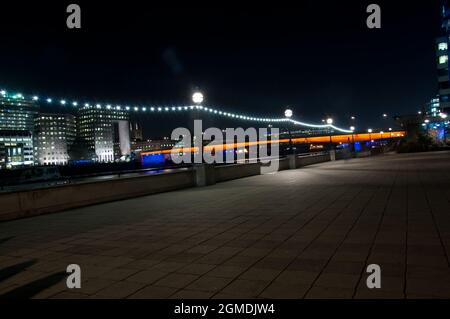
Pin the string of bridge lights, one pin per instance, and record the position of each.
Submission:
(197, 99)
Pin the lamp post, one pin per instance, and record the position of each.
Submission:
(370, 134)
(381, 143)
(331, 148)
(329, 123)
(197, 99)
(288, 114)
(352, 128)
(352, 120)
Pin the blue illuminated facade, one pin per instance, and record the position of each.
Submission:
(153, 160)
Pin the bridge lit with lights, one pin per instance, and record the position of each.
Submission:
(161, 109)
(339, 139)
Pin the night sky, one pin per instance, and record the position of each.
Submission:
(317, 57)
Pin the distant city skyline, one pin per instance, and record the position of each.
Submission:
(320, 60)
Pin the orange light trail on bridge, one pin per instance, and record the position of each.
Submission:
(346, 138)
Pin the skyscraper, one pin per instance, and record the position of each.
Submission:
(98, 127)
(54, 134)
(442, 45)
(17, 113)
(16, 130)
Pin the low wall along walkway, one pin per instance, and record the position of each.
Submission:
(57, 198)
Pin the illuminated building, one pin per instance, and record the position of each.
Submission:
(16, 130)
(433, 108)
(121, 139)
(442, 53)
(437, 123)
(105, 131)
(54, 134)
(442, 67)
(153, 145)
(16, 148)
(17, 113)
(136, 132)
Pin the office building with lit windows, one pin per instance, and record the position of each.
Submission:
(433, 107)
(53, 136)
(105, 131)
(436, 121)
(17, 113)
(442, 54)
(443, 72)
(153, 145)
(136, 132)
(16, 148)
(16, 130)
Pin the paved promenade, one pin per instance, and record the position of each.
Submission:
(305, 233)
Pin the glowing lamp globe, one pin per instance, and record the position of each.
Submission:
(288, 113)
(197, 98)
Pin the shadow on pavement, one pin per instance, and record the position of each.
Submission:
(28, 290)
(10, 271)
(33, 288)
(5, 239)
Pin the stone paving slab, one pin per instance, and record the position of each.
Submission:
(305, 233)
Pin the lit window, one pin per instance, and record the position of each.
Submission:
(442, 46)
(443, 59)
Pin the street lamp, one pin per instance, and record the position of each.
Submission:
(197, 98)
(352, 128)
(385, 116)
(370, 133)
(288, 114)
(330, 122)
